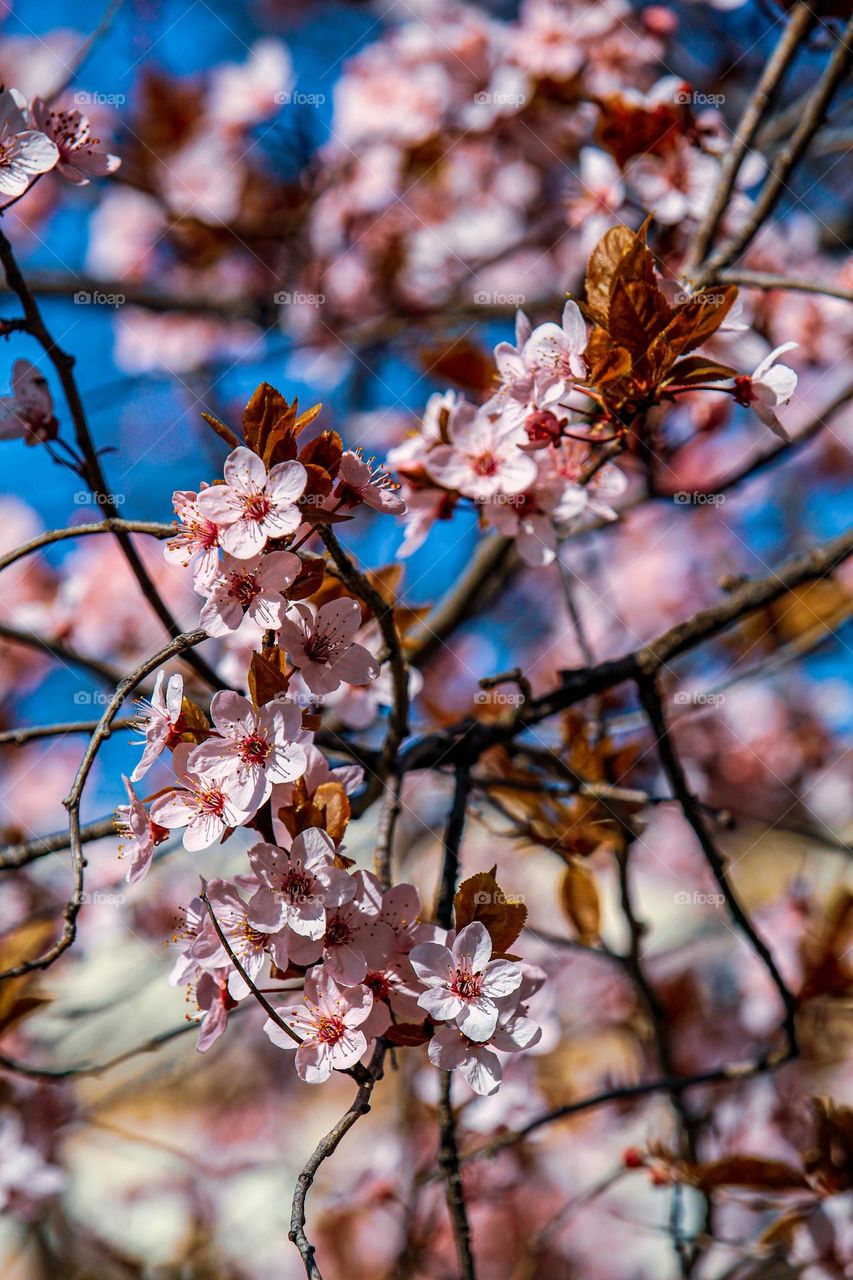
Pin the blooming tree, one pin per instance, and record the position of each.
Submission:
(412, 866)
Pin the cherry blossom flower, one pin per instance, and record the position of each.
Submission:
(600, 197)
(252, 506)
(356, 940)
(555, 352)
(298, 885)
(676, 185)
(328, 1023)
(463, 983)
(357, 482)
(215, 1002)
(199, 805)
(141, 833)
(28, 412)
(395, 996)
(255, 748)
(26, 1178)
(321, 643)
(196, 540)
(249, 588)
(515, 374)
(483, 458)
(70, 131)
(767, 387)
(161, 723)
(478, 1062)
(24, 152)
(248, 944)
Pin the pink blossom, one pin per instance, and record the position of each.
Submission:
(395, 996)
(555, 353)
(199, 805)
(483, 458)
(249, 588)
(255, 748)
(601, 195)
(356, 940)
(478, 1062)
(161, 722)
(24, 152)
(515, 374)
(463, 983)
(359, 483)
(71, 132)
(767, 387)
(196, 540)
(28, 412)
(328, 1024)
(252, 506)
(321, 643)
(297, 886)
(676, 185)
(215, 1002)
(248, 944)
(140, 832)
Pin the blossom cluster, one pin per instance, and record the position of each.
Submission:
(365, 961)
(529, 458)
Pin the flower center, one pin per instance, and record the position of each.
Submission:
(338, 932)
(466, 984)
(378, 984)
(256, 507)
(254, 749)
(210, 800)
(330, 1029)
(484, 464)
(296, 885)
(320, 648)
(243, 587)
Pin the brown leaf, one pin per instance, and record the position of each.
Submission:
(266, 678)
(225, 433)
(330, 809)
(309, 580)
(697, 369)
(480, 897)
(694, 322)
(748, 1171)
(324, 451)
(580, 902)
(265, 410)
(638, 313)
(462, 362)
(620, 254)
(19, 1009)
